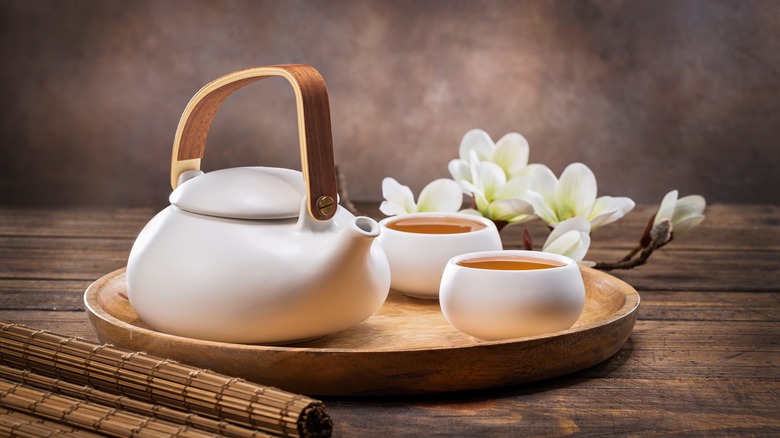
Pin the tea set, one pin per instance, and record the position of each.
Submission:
(261, 255)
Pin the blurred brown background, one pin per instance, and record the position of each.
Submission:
(652, 95)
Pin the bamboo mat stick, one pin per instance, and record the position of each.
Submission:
(18, 425)
(126, 403)
(162, 381)
(88, 415)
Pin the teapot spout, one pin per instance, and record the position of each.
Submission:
(353, 246)
(363, 229)
(357, 270)
(358, 231)
(349, 270)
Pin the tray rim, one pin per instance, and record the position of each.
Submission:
(393, 371)
(630, 306)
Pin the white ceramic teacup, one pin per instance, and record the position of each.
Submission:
(417, 259)
(494, 304)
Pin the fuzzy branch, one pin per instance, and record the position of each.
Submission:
(653, 238)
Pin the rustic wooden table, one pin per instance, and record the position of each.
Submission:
(703, 359)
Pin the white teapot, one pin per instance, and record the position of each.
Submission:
(256, 254)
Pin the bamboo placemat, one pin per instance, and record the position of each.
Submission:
(17, 424)
(139, 385)
(92, 416)
(126, 403)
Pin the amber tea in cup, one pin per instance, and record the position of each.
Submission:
(509, 263)
(494, 295)
(435, 225)
(418, 246)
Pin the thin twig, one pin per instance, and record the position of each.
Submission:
(528, 244)
(341, 188)
(653, 238)
(627, 263)
(632, 253)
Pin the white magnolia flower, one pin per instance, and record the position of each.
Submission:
(494, 196)
(441, 195)
(570, 238)
(510, 154)
(684, 213)
(574, 195)
(495, 174)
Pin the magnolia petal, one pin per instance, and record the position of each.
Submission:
(692, 205)
(397, 194)
(570, 238)
(467, 187)
(544, 181)
(519, 219)
(604, 218)
(482, 204)
(478, 141)
(391, 208)
(473, 163)
(687, 213)
(440, 195)
(511, 154)
(578, 252)
(562, 242)
(542, 208)
(686, 224)
(471, 211)
(576, 191)
(473, 158)
(459, 170)
(506, 209)
(666, 209)
(571, 244)
(579, 224)
(607, 209)
(531, 169)
(489, 177)
(515, 188)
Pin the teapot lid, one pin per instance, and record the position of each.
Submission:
(243, 193)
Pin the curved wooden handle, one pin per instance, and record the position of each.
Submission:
(311, 95)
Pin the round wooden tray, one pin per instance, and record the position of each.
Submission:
(407, 347)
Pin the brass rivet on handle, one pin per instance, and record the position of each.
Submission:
(326, 205)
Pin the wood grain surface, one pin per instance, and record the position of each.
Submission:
(703, 358)
(406, 347)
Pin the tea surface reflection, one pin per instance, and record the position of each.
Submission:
(509, 263)
(435, 225)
